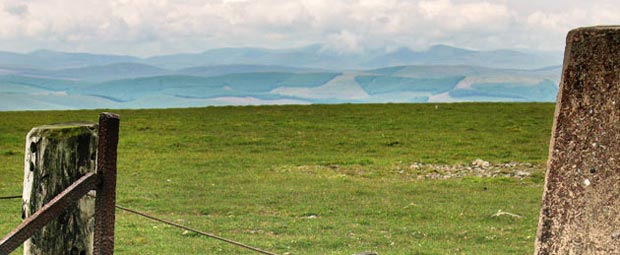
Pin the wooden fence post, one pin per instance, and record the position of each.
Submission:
(56, 156)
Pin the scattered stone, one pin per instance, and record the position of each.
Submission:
(478, 168)
(415, 165)
(522, 174)
(480, 163)
(422, 171)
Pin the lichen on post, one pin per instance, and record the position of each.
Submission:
(56, 156)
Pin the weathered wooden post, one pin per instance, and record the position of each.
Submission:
(59, 171)
(581, 202)
(56, 156)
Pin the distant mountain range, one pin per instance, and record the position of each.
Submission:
(238, 76)
(313, 56)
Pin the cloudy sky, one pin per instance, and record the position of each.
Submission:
(145, 28)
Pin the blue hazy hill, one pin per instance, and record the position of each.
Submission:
(97, 73)
(54, 60)
(318, 56)
(447, 55)
(231, 85)
(543, 91)
(393, 84)
(42, 83)
(231, 69)
(305, 75)
(380, 84)
(312, 56)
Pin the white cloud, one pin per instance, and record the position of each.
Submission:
(481, 17)
(147, 27)
(343, 42)
(548, 28)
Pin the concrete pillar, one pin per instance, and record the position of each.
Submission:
(581, 202)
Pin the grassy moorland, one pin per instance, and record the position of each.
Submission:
(321, 179)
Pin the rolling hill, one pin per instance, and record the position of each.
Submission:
(314, 56)
(241, 76)
(51, 60)
(394, 84)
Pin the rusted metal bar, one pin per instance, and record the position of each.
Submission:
(106, 190)
(47, 213)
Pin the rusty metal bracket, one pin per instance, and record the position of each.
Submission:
(47, 213)
(106, 190)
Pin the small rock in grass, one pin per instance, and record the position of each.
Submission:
(480, 163)
(522, 174)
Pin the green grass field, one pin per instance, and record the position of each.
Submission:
(321, 179)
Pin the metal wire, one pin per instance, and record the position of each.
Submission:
(196, 231)
(179, 226)
(191, 229)
(10, 197)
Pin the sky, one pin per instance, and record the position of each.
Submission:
(156, 27)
